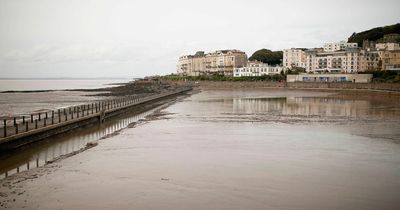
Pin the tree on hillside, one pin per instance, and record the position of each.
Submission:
(267, 56)
(374, 34)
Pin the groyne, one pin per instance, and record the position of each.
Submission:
(18, 131)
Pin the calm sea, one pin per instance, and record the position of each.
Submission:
(56, 84)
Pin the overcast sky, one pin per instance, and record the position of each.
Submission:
(121, 38)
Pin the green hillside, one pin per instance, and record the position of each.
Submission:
(375, 34)
(267, 56)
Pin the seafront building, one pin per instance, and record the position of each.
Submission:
(390, 60)
(353, 78)
(255, 69)
(338, 46)
(294, 57)
(222, 62)
(350, 60)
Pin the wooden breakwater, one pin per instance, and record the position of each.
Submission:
(23, 130)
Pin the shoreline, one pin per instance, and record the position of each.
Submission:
(387, 88)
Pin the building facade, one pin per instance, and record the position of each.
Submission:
(338, 46)
(354, 78)
(390, 60)
(350, 60)
(221, 62)
(294, 57)
(256, 69)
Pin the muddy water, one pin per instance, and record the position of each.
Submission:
(56, 147)
(266, 149)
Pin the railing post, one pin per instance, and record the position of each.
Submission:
(44, 122)
(5, 128)
(31, 118)
(39, 117)
(59, 116)
(15, 121)
(27, 127)
(46, 116)
(36, 126)
(16, 129)
(88, 109)
(23, 119)
(77, 112)
(52, 117)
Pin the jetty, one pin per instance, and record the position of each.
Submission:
(22, 130)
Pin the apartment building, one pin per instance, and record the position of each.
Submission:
(221, 62)
(338, 46)
(350, 60)
(387, 46)
(390, 60)
(294, 57)
(255, 69)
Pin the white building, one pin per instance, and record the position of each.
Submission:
(387, 46)
(294, 57)
(337, 46)
(354, 78)
(350, 60)
(256, 69)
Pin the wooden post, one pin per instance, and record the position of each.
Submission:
(52, 117)
(87, 109)
(23, 119)
(92, 108)
(66, 116)
(31, 118)
(59, 116)
(77, 112)
(5, 128)
(39, 117)
(46, 116)
(27, 127)
(44, 122)
(36, 126)
(16, 128)
(15, 121)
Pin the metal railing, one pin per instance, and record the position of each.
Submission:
(41, 120)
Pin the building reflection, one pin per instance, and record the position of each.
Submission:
(56, 149)
(311, 106)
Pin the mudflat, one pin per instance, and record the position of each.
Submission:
(233, 149)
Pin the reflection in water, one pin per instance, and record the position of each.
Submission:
(310, 106)
(55, 147)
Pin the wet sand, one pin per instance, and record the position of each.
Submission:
(223, 149)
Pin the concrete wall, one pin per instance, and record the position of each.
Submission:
(355, 78)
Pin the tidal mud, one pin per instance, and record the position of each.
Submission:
(230, 149)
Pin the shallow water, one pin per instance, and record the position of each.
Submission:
(56, 84)
(260, 149)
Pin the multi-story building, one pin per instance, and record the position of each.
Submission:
(387, 46)
(294, 57)
(390, 59)
(219, 62)
(338, 46)
(255, 69)
(350, 60)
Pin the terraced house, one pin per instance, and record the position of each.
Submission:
(221, 62)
